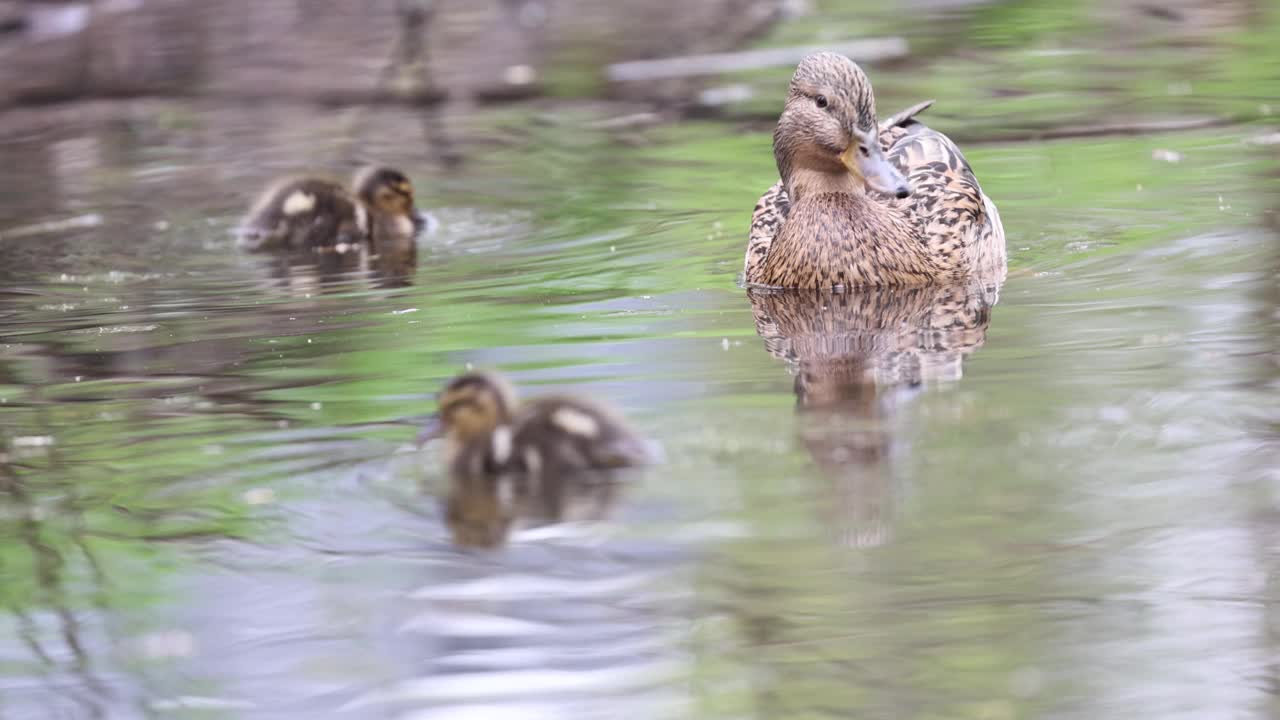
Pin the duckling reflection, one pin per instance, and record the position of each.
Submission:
(394, 260)
(303, 273)
(857, 357)
(482, 510)
(545, 460)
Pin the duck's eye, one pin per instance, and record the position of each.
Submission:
(865, 152)
(821, 100)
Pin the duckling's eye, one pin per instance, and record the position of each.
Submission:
(821, 100)
(865, 152)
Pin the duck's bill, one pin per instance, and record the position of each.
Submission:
(879, 174)
(432, 429)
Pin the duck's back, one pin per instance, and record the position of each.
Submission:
(958, 222)
(557, 435)
(304, 213)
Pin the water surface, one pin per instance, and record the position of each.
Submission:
(892, 504)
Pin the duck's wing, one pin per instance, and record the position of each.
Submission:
(771, 211)
(947, 202)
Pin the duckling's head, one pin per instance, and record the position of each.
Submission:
(387, 191)
(827, 134)
(470, 406)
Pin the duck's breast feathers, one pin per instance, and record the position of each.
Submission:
(572, 433)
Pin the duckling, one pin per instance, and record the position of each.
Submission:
(866, 203)
(308, 213)
(489, 432)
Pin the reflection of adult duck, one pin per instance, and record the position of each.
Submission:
(862, 202)
(849, 352)
(892, 335)
(548, 458)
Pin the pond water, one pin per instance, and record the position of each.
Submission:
(892, 504)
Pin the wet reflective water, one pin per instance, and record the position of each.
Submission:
(1051, 498)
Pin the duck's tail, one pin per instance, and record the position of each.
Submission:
(906, 117)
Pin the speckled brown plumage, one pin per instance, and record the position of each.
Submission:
(824, 225)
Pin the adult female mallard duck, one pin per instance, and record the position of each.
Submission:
(489, 432)
(308, 213)
(862, 202)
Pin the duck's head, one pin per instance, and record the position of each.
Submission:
(471, 405)
(388, 192)
(827, 134)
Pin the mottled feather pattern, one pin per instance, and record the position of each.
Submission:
(838, 240)
(946, 229)
(768, 216)
(950, 209)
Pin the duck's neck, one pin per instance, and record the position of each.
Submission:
(803, 183)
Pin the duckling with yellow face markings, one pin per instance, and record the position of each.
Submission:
(489, 432)
(321, 215)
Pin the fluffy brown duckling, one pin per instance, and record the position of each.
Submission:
(862, 202)
(489, 432)
(308, 213)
